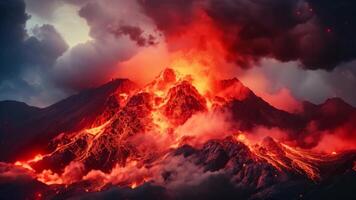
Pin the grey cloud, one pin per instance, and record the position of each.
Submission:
(46, 8)
(25, 60)
(94, 62)
(315, 86)
(41, 68)
(38, 68)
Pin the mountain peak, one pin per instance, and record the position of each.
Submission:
(337, 103)
(168, 132)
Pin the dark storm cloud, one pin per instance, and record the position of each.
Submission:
(169, 16)
(18, 50)
(45, 46)
(318, 33)
(23, 56)
(135, 34)
(12, 35)
(321, 34)
(38, 67)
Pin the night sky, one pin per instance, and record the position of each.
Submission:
(293, 50)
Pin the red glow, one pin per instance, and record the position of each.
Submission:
(26, 164)
(181, 109)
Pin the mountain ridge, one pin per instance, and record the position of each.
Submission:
(170, 135)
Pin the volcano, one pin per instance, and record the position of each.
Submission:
(169, 140)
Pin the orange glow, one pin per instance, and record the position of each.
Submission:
(260, 84)
(50, 178)
(136, 69)
(200, 52)
(291, 159)
(336, 141)
(131, 140)
(197, 52)
(192, 67)
(240, 137)
(133, 185)
(26, 164)
(284, 157)
(160, 121)
(97, 130)
(123, 98)
(151, 147)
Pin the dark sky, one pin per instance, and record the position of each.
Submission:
(51, 49)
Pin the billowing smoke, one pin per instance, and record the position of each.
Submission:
(318, 34)
(115, 40)
(40, 68)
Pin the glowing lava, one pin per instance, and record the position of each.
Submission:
(97, 130)
(134, 144)
(26, 164)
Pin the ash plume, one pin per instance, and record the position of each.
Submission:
(317, 33)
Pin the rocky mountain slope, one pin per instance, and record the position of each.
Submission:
(168, 140)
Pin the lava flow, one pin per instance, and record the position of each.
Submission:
(169, 134)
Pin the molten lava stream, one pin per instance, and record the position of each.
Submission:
(131, 146)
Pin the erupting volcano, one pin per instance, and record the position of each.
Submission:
(177, 99)
(174, 139)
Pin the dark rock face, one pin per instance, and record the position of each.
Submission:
(259, 179)
(232, 89)
(69, 115)
(236, 160)
(13, 113)
(112, 145)
(331, 114)
(254, 111)
(183, 101)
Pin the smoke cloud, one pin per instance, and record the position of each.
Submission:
(313, 32)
